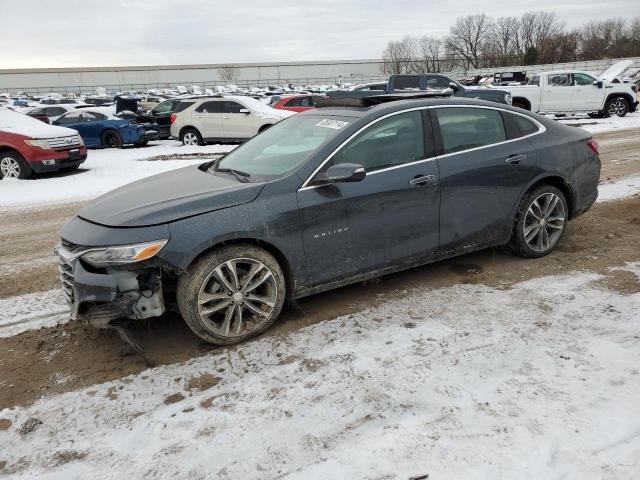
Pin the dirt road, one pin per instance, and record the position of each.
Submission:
(72, 356)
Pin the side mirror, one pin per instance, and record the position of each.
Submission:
(453, 86)
(344, 172)
(598, 83)
(245, 110)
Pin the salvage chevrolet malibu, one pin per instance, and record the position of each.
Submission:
(326, 198)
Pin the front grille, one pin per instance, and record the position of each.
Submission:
(65, 274)
(64, 142)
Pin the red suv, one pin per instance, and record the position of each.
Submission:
(28, 145)
(297, 103)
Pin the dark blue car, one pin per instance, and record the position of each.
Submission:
(104, 130)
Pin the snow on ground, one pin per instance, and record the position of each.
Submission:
(32, 311)
(537, 381)
(106, 169)
(599, 125)
(620, 189)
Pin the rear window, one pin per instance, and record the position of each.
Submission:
(464, 128)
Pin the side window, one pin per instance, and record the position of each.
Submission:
(232, 107)
(294, 102)
(518, 126)
(559, 80)
(437, 82)
(393, 141)
(69, 118)
(406, 82)
(181, 105)
(55, 111)
(92, 117)
(210, 107)
(535, 80)
(464, 128)
(164, 107)
(582, 79)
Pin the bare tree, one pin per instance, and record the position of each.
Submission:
(503, 42)
(535, 28)
(229, 73)
(399, 55)
(428, 53)
(467, 37)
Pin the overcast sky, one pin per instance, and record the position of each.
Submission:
(69, 33)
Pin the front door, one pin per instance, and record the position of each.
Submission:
(389, 217)
(484, 167)
(586, 96)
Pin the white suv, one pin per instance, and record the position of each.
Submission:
(222, 119)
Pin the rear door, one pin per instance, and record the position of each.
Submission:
(388, 218)
(485, 162)
(208, 117)
(238, 121)
(557, 93)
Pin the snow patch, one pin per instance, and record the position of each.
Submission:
(620, 189)
(536, 381)
(32, 311)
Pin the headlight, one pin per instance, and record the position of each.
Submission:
(124, 254)
(81, 141)
(508, 98)
(38, 143)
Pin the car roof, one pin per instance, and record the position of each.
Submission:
(398, 105)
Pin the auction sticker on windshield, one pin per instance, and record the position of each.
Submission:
(335, 124)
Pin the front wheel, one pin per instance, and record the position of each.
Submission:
(13, 165)
(191, 137)
(616, 107)
(232, 294)
(111, 139)
(540, 222)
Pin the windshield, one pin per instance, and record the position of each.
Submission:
(283, 147)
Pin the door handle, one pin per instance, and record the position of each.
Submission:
(422, 180)
(225, 117)
(516, 159)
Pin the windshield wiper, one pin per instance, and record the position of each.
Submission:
(239, 174)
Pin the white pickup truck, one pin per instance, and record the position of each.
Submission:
(569, 91)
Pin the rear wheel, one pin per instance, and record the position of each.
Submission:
(111, 139)
(13, 165)
(616, 107)
(540, 222)
(232, 294)
(191, 137)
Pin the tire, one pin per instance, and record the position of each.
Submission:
(519, 104)
(111, 139)
(528, 237)
(13, 165)
(142, 143)
(191, 136)
(616, 106)
(233, 316)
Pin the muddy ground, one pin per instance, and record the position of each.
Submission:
(71, 356)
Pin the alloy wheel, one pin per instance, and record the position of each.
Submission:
(9, 167)
(237, 297)
(190, 138)
(618, 107)
(544, 222)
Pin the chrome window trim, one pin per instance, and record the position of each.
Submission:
(541, 129)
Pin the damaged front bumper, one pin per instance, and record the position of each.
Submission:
(100, 296)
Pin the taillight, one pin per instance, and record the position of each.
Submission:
(593, 145)
(173, 117)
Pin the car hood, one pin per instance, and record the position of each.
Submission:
(610, 74)
(168, 197)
